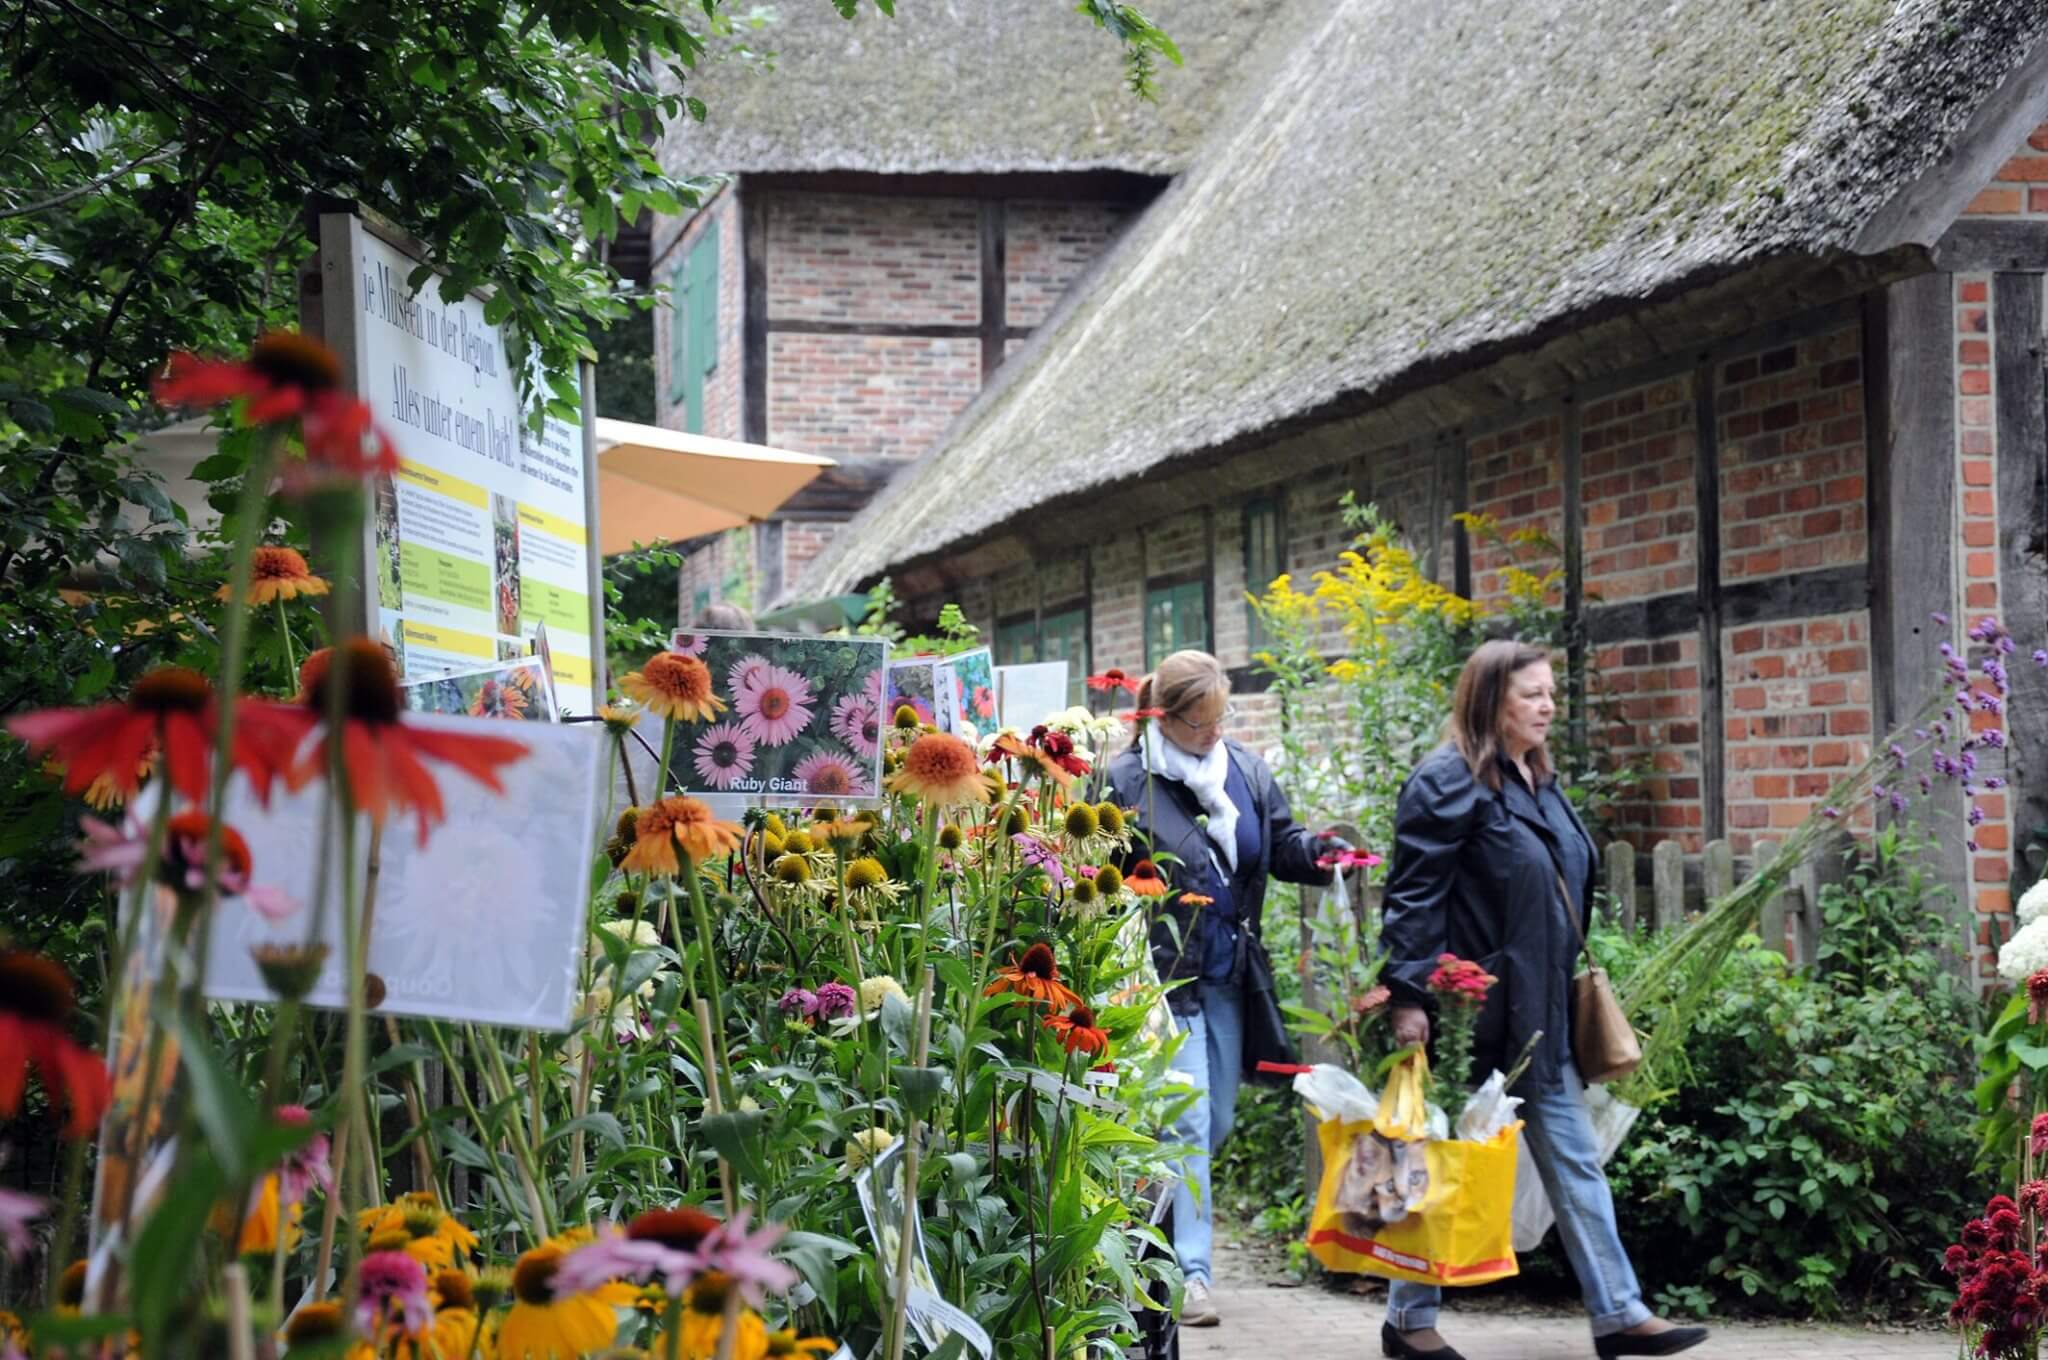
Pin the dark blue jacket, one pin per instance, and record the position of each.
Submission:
(1476, 874)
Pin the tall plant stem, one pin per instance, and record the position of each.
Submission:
(284, 627)
(708, 956)
(537, 1227)
(707, 1045)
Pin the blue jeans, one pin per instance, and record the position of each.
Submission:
(1561, 1144)
(1210, 1059)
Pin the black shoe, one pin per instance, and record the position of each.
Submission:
(1658, 1343)
(1392, 1343)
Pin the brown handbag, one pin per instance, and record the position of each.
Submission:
(1603, 1042)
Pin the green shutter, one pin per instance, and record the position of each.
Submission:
(678, 331)
(703, 324)
(1017, 643)
(1064, 637)
(1261, 562)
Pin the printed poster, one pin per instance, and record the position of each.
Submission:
(481, 537)
(917, 682)
(799, 719)
(520, 691)
(970, 681)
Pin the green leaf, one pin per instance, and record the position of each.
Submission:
(226, 1114)
(922, 1087)
(2034, 1056)
(736, 1136)
(602, 1123)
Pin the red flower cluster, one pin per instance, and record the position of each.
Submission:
(2038, 1135)
(2037, 996)
(1057, 748)
(1460, 980)
(2001, 1287)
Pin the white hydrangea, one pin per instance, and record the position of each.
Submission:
(2033, 902)
(2026, 953)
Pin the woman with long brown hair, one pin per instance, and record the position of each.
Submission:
(1489, 857)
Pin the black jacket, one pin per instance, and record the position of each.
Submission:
(1476, 874)
(1286, 850)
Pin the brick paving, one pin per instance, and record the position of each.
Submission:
(1264, 1322)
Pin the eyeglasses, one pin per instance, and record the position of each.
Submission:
(1229, 712)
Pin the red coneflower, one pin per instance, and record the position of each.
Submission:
(172, 709)
(277, 574)
(381, 754)
(673, 685)
(1144, 879)
(1138, 715)
(1078, 1031)
(1036, 977)
(289, 376)
(1114, 678)
(35, 1006)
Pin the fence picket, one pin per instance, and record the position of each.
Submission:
(1667, 885)
(1621, 883)
(1717, 872)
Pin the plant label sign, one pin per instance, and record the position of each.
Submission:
(1027, 694)
(796, 720)
(473, 925)
(487, 529)
(970, 681)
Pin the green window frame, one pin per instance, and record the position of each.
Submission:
(1016, 641)
(1064, 637)
(699, 602)
(1263, 561)
(1176, 618)
(693, 327)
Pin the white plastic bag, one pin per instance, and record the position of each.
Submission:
(1336, 1094)
(1533, 1214)
(1490, 1110)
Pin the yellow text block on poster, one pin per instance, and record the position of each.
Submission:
(552, 525)
(441, 484)
(571, 670)
(449, 640)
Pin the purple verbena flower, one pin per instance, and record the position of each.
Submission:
(1939, 618)
(1994, 782)
(1992, 736)
(2041, 656)
(1976, 815)
(1831, 813)
(1898, 801)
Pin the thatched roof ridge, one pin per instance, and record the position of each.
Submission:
(961, 86)
(1422, 184)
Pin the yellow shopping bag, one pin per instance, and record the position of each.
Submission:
(1394, 1203)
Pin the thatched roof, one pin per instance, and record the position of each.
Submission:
(961, 86)
(1423, 186)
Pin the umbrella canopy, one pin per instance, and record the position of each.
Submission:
(661, 486)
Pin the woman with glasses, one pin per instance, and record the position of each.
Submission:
(1217, 826)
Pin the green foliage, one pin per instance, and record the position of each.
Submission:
(1812, 1162)
(955, 634)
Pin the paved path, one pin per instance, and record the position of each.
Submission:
(1261, 1322)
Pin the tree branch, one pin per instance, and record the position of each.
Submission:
(58, 200)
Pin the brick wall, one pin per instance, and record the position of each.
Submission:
(861, 257)
(2020, 189)
(1649, 690)
(724, 567)
(1046, 245)
(1790, 427)
(1230, 629)
(867, 395)
(1117, 627)
(1516, 475)
(1798, 718)
(1639, 501)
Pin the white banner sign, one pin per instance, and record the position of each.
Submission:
(482, 924)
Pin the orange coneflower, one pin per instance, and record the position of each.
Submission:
(703, 1322)
(672, 685)
(172, 709)
(658, 830)
(277, 574)
(941, 769)
(1144, 879)
(381, 754)
(35, 1007)
(1036, 977)
(289, 376)
(1078, 1031)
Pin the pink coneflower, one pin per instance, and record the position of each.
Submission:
(874, 687)
(744, 1256)
(747, 671)
(826, 775)
(302, 1170)
(388, 1278)
(16, 1211)
(725, 755)
(121, 851)
(857, 721)
(616, 1256)
(688, 644)
(774, 705)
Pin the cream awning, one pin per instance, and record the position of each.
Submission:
(656, 485)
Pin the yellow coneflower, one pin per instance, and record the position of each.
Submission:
(672, 685)
(791, 870)
(940, 769)
(869, 886)
(1111, 819)
(950, 837)
(787, 1342)
(392, 1217)
(703, 1322)
(257, 1235)
(1109, 880)
(320, 1327)
(798, 842)
(277, 573)
(542, 1326)
(619, 718)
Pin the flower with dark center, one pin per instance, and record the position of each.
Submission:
(35, 1014)
(277, 573)
(383, 756)
(288, 377)
(170, 709)
(1035, 976)
(672, 685)
(550, 1318)
(940, 769)
(675, 823)
(1109, 880)
(1145, 880)
(1078, 1032)
(1114, 678)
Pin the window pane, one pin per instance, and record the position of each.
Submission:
(1064, 637)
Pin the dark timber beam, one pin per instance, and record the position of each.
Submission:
(1980, 246)
(2022, 413)
(1708, 601)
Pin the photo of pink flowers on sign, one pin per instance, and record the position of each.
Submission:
(794, 719)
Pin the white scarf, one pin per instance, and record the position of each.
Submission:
(1205, 777)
